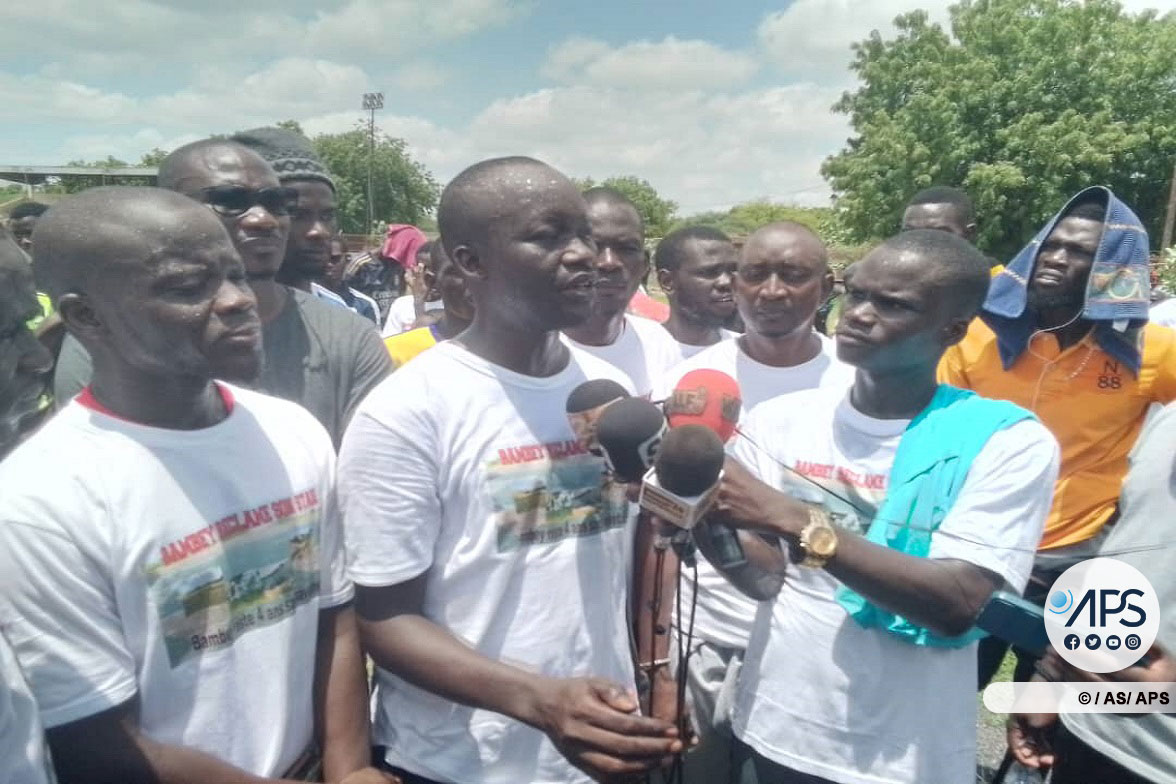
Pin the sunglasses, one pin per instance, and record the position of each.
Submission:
(235, 200)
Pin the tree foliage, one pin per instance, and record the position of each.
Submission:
(743, 219)
(1025, 103)
(657, 212)
(403, 190)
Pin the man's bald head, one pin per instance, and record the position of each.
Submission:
(83, 236)
(518, 230)
(229, 177)
(484, 193)
(953, 265)
(149, 282)
(910, 299)
(785, 238)
(188, 168)
(606, 197)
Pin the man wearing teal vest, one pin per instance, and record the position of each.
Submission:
(879, 523)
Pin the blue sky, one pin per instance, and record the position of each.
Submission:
(714, 103)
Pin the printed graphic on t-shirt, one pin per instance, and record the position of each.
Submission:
(246, 571)
(543, 493)
(850, 497)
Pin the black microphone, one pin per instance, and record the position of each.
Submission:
(685, 471)
(630, 432)
(690, 460)
(585, 405)
(681, 487)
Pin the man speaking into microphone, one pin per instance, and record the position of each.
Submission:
(897, 509)
(490, 566)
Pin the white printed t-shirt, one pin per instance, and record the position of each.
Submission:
(822, 695)
(643, 352)
(724, 616)
(688, 350)
(185, 566)
(470, 472)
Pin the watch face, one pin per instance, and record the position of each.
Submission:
(822, 541)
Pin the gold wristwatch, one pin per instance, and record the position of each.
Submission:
(818, 539)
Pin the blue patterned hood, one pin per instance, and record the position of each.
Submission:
(1118, 291)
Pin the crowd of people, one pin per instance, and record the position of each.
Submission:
(270, 511)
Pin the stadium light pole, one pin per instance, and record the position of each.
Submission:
(371, 102)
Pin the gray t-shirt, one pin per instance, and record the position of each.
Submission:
(319, 355)
(1144, 744)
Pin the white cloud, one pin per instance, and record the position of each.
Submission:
(122, 36)
(669, 63)
(40, 98)
(290, 87)
(419, 77)
(125, 147)
(706, 151)
(811, 38)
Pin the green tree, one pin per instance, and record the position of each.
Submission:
(403, 190)
(743, 219)
(657, 212)
(1025, 103)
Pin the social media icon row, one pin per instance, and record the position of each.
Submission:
(1093, 641)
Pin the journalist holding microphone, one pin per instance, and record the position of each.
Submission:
(877, 524)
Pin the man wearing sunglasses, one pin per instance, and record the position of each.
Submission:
(316, 354)
(312, 215)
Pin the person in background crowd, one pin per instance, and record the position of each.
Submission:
(941, 208)
(1163, 304)
(25, 366)
(312, 219)
(782, 276)
(22, 219)
(490, 566)
(195, 625)
(895, 509)
(645, 306)
(321, 356)
(1064, 334)
(401, 251)
(365, 272)
(334, 279)
(410, 308)
(1105, 747)
(696, 270)
(641, 348)
(445, 278)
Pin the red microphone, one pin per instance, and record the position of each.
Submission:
(710, 398)
(706, 397)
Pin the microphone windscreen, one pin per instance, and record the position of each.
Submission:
(690, 460)
(593, 394)
(706, 397)
(585, 405)
(630, 431)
